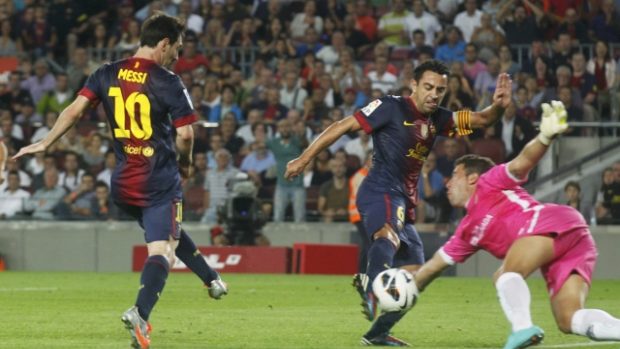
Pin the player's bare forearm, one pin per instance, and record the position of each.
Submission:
(330, 135)
(502, 97)
(66, 120)
(527, 159)
(3, 156)
(553, 123)
(486, 117)
(430, 271)
(185, 144)
(69, 116)
(324, 140)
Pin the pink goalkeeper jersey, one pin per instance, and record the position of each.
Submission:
(499, 212)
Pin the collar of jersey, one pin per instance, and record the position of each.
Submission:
(144, 60)
(416, 112)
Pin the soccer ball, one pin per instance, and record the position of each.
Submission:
(395, 290)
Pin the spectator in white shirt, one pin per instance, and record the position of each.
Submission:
(469, 19)
(330, 54)
(109, 163)
(306, 19)
(359, 146)
(382, 79)
(292, 95)
(424, 21)
(13, 197)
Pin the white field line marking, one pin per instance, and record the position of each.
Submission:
(576, 345)
(29, 289)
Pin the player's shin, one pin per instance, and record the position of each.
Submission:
(596, 324)
(152, 282)
(380, 257)
(189, 254)
(384, 324)
(514, 297)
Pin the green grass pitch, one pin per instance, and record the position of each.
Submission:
(82, 310)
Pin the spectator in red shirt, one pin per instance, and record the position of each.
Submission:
(190, 59)
(364, 22)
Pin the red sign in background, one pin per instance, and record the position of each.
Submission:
(307, 259)
(232, 259)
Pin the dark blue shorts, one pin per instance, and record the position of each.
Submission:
(378, 208)
(160, 222)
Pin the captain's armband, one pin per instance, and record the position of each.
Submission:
(462, 122)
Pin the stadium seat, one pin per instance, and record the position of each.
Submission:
(490, 147)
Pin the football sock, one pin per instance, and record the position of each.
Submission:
(190, 255)
(384, 324)
(514, 296)
(596, 324)
(152, 282)
(380, 257)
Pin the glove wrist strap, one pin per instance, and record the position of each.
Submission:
(544, 139)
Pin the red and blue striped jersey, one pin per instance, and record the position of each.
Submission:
(403, 138)
(143, 102)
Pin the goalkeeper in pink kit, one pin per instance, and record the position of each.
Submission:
(506, 221)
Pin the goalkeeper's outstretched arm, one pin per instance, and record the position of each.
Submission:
(430, 271)
(552, 124)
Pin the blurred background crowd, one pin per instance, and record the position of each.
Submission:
(266, 77)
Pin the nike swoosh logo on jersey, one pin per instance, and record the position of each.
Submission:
(408, 123)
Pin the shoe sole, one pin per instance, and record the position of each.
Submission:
(534, 340)
(394, 343)
(136, 336)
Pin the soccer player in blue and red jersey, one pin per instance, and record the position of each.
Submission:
(146, 105)
(403, 131)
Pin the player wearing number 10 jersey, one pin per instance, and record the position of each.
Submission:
(144, 102)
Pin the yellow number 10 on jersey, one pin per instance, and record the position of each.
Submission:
(124, 108)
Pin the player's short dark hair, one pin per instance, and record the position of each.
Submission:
(158, 27)
(474, 163)
(432, 65)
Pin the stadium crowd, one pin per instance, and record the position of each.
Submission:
(307, 64)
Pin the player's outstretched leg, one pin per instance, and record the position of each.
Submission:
(379, 333)
(514, 297)
(596, 324)
(189, 254)
(570, 316)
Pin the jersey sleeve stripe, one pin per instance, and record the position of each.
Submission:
(463, 122)
(185, 120)
(361, 118)
(446, 257)
(513, 177)
(90, 95)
